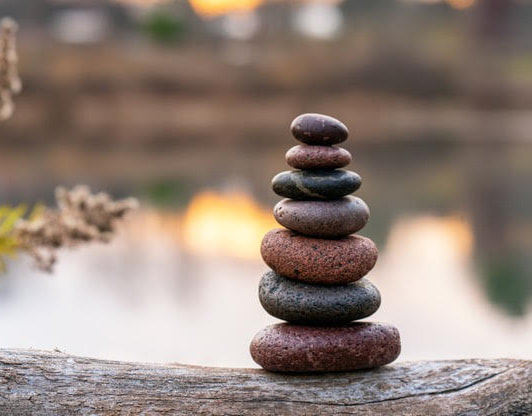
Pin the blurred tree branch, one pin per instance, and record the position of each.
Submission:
(10, 83)
(80, 217)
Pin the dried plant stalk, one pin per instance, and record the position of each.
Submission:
(10, 83)
(80, 217)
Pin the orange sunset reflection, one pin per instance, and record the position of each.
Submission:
(230, 224)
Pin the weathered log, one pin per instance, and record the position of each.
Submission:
(53, 383)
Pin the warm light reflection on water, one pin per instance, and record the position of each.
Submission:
(146, 297)
(430, 291)
(219, 224)
(434, 237)
(230, 224)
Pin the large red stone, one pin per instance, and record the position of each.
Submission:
(291, 348)
(317, 260)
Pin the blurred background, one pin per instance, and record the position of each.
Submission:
(186, 106)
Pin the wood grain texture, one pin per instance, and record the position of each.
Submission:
(53, 383)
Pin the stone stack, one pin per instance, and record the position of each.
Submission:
(316, 282)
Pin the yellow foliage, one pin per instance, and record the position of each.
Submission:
(9, 216)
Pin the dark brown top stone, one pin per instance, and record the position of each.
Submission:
(312, 128)
(291, 348)
(317, 157)
(326, 219)
(316, 260)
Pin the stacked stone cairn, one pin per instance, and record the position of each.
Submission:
(316, 282)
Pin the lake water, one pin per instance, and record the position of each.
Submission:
(453, 223)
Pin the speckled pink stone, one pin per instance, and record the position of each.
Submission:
(317, 157)
(291, 348)
(317, 260)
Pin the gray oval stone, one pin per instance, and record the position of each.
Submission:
(317, 184)
(312, 128)
(312, 304)
(326, 219)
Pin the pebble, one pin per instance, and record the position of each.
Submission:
(317, 157)
(318, 129)
(318, 184)
(325, 219)
(291, 348)
(316, 260)
(312, 304)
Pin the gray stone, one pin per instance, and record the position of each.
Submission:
(311, 304)
(317, 184)
(326, 219)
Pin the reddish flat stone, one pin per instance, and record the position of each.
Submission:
(317, 260)
(291, 348)
(317, 157)
(325, 219)
(318, 129)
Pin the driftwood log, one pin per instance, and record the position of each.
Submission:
(53, 383)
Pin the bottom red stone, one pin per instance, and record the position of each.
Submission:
(290, 348)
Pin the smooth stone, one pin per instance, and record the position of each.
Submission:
(317, 157)
(325, 219)
(288, 348)
(312, 304)
(317, 260)
(312, 128)
(317, 184)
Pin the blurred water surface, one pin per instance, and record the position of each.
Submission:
(179, 283)
(186, 105)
